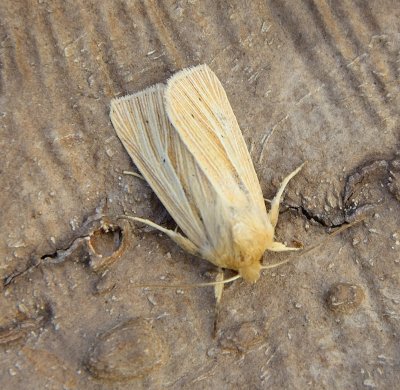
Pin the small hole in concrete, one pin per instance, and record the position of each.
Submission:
(106, 242)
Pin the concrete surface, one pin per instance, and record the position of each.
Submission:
(309, 81)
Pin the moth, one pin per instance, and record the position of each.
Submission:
(186, 142)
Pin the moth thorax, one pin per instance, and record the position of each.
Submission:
(251, 241)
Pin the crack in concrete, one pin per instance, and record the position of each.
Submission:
(59, 255)
(314, 217)
(52, 258)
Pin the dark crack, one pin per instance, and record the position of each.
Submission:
(313, 217)
(53, 258)
(59, 255)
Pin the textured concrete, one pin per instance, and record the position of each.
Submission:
(309, 81)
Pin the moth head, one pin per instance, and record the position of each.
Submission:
(251, 273)
(251, 240)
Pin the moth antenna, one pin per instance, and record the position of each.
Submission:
(274, 265)
(347, 226)
(334, 234)
(194, 285)
(323, 241)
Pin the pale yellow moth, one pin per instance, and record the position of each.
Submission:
(186, 142)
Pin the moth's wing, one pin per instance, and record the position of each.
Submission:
(199, 109)
(142, 125)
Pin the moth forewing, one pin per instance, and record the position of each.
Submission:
(144, 129)
(199, 109)
(200, 112)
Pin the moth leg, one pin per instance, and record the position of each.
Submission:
(279, 247)
(183, 242)
(218, 289)
(139, 176)
(273, 213)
